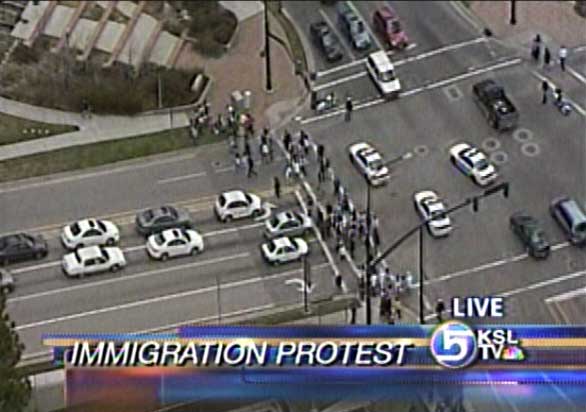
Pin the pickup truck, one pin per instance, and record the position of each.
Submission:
(500, 112)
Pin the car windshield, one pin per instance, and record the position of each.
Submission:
(580, 229)
(375, 164)
(75, 229)
(357, 26)
(328, 40)
(159, 239)
(77, 257)
(148, 215)
(248, 198)
(271, 246)
(386, 76)
(394, 26)
(101, 225)
(438, 215)
(105, 254)
(481, 164)
(537, 236)
(222, 200)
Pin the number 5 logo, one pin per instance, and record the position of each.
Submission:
(453, 345)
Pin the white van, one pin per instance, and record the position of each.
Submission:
(382, 72)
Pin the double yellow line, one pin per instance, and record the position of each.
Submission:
(194, 205)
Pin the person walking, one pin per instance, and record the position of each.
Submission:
(264, 152)
(546, 58)
(237, 162)
(320, 153)
(251, 170)
(277, 187)
(440, 307)
(545, 90)
(536, 48)
(247, 151)
(287, 141)
(563, 54)
(349, 109)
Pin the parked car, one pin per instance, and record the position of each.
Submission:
(382, 73)
(22, 246)
(284, 250)
(157, 219)
(6, 281)
(287, 224)
(90, 232)
(353, 27)
(571, 218)
(531, 234)
(386, 24)
(499, 110)
(93, 259)
(369, 163)
(429, 206)
(237, 204)
(174, 243)
(473, 163)
(326, 41)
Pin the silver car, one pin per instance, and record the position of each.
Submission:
(287, 223)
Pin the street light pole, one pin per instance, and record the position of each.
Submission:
(421, 276)
(513, 15)
(368, 256)
(269, 84)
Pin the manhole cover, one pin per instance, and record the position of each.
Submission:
(522, 135)
(453, 93)
(421, 150)
(491, 144)
(499, 157)
(530, 149)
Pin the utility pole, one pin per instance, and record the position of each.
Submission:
(513, 12)
(421, 276)
(368, 256)
(306, 283)
(269, 83)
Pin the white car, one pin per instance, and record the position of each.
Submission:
(429, 206)
(237, 204)
(473, 163)
(284, 249)
(287, 224)
(369, 162)
(93, 259)
(174, 243)
(90, 232)
(382, 72)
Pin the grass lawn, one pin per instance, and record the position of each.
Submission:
(12, 129)
(98, 154)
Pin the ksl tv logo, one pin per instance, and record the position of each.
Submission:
(456, 345)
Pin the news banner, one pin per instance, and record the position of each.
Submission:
(326, 362)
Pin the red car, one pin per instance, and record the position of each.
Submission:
(386, 24)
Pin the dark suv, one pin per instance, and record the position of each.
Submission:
(529, 231)
(326, 41)
(21, 246)
(571, 219)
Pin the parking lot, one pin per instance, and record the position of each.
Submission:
(228, 279)
(542, 159)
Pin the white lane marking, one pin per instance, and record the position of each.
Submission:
(137, 247)
(576, 106)
(417, 90)
(226, 169)
(180, 178)
(566, 296)
(140, 275)
(172, 326)
(158, 299)
(489, 265)
(465, 14)
(339, 81)
(342, 39)
(577, 75)
(95, 174)
(366, 25)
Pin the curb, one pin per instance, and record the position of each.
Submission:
(467, 15)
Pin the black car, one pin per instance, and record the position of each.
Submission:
(528, 229)
(326, 40)
(498, 109)
(21, 246)
(571, 218)
(165, 217)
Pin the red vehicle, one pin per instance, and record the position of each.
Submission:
(386, 24)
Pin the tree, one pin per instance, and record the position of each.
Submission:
(15, 390)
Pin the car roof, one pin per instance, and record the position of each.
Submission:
(85, 224)
(172, 234)
(474, 154)
(372, 156)
(435, 205)
(573, 209)
(381, 60)
(90, 252)
(282, 241)
(12, 239)
(234, 195)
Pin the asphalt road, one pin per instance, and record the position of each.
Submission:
(149, 295)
